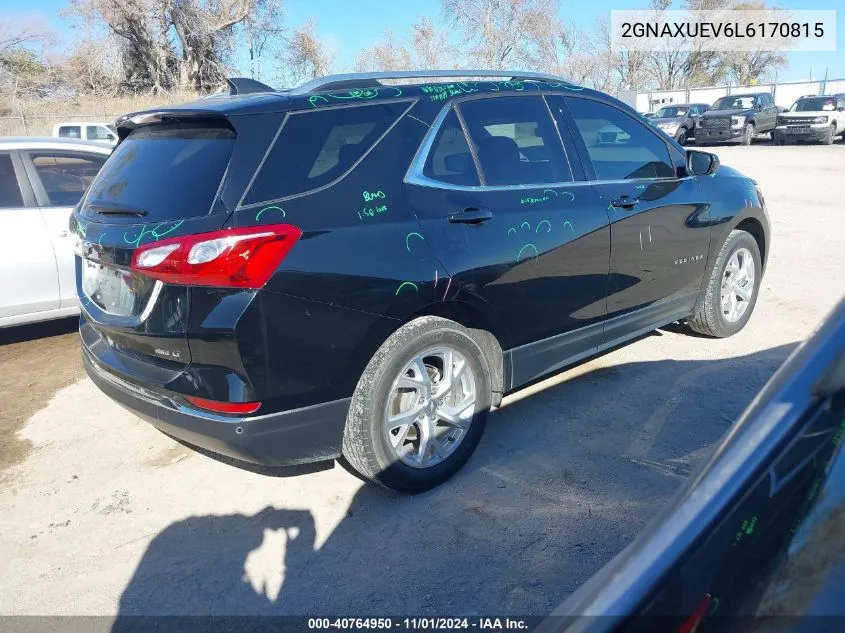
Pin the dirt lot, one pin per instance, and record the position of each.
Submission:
(105, 515)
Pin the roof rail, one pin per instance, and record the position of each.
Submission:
(359, 80)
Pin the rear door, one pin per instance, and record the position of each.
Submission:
(28, 276)
(59, 179)
(659, 234)
(514, 225)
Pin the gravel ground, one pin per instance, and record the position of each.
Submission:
(105, 515)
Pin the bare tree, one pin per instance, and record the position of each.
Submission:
(306, 56)
(431, 46)
(174, 43)
(497, 32)
(386, 55)
(264, 33)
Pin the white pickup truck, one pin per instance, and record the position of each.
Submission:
(86, 130)
(812, 118)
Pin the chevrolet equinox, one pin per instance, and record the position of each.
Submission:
(360, 268)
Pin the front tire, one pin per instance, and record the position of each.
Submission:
(731, 292)
(747, 135)
(420, 406)
(682, 136)
(828, 137)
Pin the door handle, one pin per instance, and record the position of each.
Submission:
(624, 202)
(471, 216)
(62, 233)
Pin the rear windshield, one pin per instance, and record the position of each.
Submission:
(166, 171)
(316, 147)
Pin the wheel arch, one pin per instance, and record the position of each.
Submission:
(754, 227)
(485, 331)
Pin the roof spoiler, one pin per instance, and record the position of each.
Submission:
(244, 85)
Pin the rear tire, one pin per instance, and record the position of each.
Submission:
(393, 412)
(712, 316)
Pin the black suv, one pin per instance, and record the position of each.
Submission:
(738, 118)
(359, 270)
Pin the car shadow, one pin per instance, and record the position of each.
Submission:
(42, 329)
(566, 475)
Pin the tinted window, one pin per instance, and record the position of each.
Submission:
(10, 193)
(97, 133)
(65, 177)
(169, 171)
(449, 159)
(318, 146)
(734, 103)
(516, 141)
(619, 146)
(69, 131)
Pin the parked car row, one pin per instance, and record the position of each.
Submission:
(741, 118)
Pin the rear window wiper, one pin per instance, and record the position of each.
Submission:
(114, 209)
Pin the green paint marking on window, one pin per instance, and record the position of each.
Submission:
(369, 196)
(156, 232)
(567, 222)
(410, 284)
(525, 224)
(409, 236)
(272, 208)
(511, 229)
(541, 223)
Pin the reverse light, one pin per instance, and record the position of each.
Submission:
(217, 406)
(244, 257)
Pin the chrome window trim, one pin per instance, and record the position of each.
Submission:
(415, 176)
(411, 101)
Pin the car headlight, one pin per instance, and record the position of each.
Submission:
(737, 121)
(820, 119)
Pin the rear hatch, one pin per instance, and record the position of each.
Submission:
(173, 174)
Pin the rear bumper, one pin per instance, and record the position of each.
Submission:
(298, 436)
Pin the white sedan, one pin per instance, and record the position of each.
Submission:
(41, 180)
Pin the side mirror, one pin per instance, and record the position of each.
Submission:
(701, 163)
(841, 108)
(759, 107)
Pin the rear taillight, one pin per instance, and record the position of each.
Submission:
(240, 258)
(241, 408)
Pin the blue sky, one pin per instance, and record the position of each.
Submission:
(355, 24)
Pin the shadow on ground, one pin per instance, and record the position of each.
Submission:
(562, 481)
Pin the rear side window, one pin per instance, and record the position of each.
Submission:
(516, 141)
(65, 177)
(10, 193)
(166, 171)
(619, 146)
(450, 160)
(69, 131)
(315, 147)
(97, 133)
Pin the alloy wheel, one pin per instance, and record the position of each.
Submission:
(430, 407)
(737, 288)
